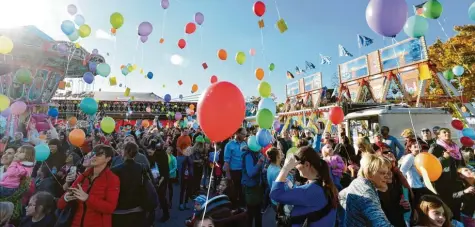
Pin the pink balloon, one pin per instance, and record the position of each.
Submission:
(18, 107)
(252, 52)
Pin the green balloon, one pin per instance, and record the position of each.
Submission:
(103, 69)
(23, 76)
(240, 57)
(416, 26)
(108, 124)
(271, 67)
(264, 89)
(448, 75)
(265, 118)
(432, 9)
(116, 20)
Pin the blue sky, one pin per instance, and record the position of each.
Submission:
(314, 27)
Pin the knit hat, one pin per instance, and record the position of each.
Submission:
(201, 199)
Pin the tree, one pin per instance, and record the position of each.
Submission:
(458, 50)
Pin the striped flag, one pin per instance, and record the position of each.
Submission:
(326, 60)
(290, 75)
(310, 65)
(419, 9)
(342, 52)
(364, 41)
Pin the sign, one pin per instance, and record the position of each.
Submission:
(313, 82)
(408, 52)
(410, 80)
(376, 83)
(354, 69)
(293, 88)
(374, 63)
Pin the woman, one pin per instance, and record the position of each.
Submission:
(131, 175)
(199, 157)
(275, 157)
(314, 202)
(64, 141)
(186, 179)
(57, 158)
(158, 157)
(465, 196)
(95, 192)
(408, 169)
(360, 200)
(451, 159)
(6, 161)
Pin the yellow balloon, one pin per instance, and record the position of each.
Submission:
(6, 45)
(130, 68)
(84, 31)
(77, 45)
(134, 66)
(4, 102)
(141, 71)
(240, 57)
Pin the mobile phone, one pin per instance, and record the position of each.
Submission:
(73, 170)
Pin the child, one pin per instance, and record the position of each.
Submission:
(335, 162)
(466, 195)
(433, 212)
(172, 165)
(21, 167)
(199, 202)
(39, 211)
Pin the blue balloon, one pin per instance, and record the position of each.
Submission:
(267, 103)
(68, 27)
(88, 77)
(42, 152)
(88, 106)
(92, 66)
(264, 137)
(180, 96)
(252, 144)
(458, 70)
(195, 126)
(125, 71)
(469, 132)
(168, 98)
(53, 112)
(73, 36)
(79, 19)
(150, 75)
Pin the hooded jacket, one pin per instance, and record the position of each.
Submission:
(15, 172)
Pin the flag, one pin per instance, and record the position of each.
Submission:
(364, 41)
(290, 75)
(342, 52)
(310, 65)
(419, 9)
(326, 60)
(298, 70)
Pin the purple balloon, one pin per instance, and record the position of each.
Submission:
(165, 4)
(145, 28)
(178, 116)
(92, 66)
(18, 107)
(6, 112)
(72, 9)
(143, 39)
(199, 18)
(88, 77)
(386, 17)
(95, 51)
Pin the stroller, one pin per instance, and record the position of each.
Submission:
(219, 211)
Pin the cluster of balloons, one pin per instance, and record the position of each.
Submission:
(265, 118)
(75, 29)
(416, 26)
(144, 30)
(455, 71)
(126, 69)
(468, 133)
(190, 28)
(116, 20)
(16, 108)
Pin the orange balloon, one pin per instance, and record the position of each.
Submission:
(222, 54)
(430, 163)
(73, 121)
(194, 88)
(122, 66)
(42, 137)
(192, 107)
(113, 30)
(77, 137)
(259, 73)
(145, 123)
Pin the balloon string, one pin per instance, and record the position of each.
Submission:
(164, 18)
(263, 49)
(209, 184)
(277, 8)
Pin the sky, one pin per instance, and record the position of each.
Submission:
(314, 27)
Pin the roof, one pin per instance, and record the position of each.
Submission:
(394, 110)
(111, 96)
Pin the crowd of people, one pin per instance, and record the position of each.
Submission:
(307, 178)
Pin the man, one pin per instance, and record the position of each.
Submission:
(182, 143)
(197, 133)
(233, 164)
(392, 142)
(427, 137)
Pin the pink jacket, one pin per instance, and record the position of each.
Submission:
(336, 165)
(15, 172)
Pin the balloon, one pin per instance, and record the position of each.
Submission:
(4, 102)
(103, 69)
(68, 27)
(416, 26)
(165, 4)
(271, 67)
(276, 125)
(253, 144)
(259, 8)
(458, 70)
(386, 18)
(72, 121)
(88, 77)
(430, 163)
(336, 115)
(73, 36)
(457, 124)
(432, 9)
(108, 124)
(192, 107)
(190, 28)
(252, 52)
(259, 73)
(18, 107)
(79, 20)
(150, 75)
(116, 20)
(72, 9)
(167, 98)
(95, 51)
(42, 152)
(240, 57)
(220, 125)
(84, 31)
(264, 137)
(265, 118)
(448, 75)
(222, 54)
(471, 12)
(23, 76)
(53, 112)
(267, 103)
(145, 28)
(199, 18)
(77, 137)
(194, 88)
(469, 132)
(88, 106)
(264, 89)
(214, 79)
(145, 124)
(181, 43)
(143, 39)
(6, 45)
(467, 142)
(178, 116)
(125, 71)
(6, 112)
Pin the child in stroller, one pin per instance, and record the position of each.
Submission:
(219, 212)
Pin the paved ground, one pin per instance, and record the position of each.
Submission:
(177, 217)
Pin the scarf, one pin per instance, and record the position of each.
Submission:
(452, 148)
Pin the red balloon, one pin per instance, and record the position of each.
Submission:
(190, 28)
(466, 141)
(228, 99)
(336, 115)
(214, 79)
(259, 8)
(181, 43)
(457, 124)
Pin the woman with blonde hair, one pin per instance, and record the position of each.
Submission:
(6, 212)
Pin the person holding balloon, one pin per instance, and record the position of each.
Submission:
(22, 166)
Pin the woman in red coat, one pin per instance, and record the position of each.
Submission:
(96, 192)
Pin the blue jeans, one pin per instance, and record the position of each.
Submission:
(179, 163)
(6, 192)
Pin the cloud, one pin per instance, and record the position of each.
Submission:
(101, 34)
(176, 59)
